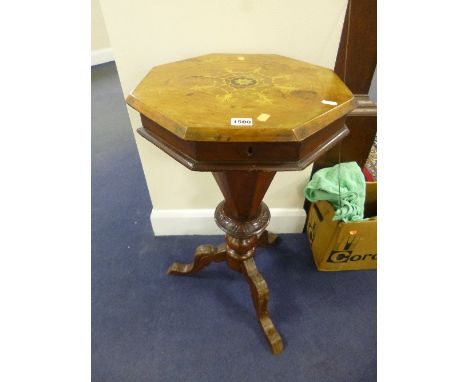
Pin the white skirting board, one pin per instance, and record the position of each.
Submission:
(101, 56)
(201, 221)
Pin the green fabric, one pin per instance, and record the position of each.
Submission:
(352, 189)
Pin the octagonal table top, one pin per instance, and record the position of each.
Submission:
(242, 98)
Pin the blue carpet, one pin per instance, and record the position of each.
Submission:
(147, 326)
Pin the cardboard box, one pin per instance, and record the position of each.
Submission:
(340, 246)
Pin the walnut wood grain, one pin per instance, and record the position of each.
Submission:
(244, 218)
(243, 191)
(267, 238)
(196, 98)
(260, 296)
(204, 256)
(186, 109)
(266, 156)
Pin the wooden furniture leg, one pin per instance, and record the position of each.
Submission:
(243, 217)
(260, 294)
(188, 110)
(267, 238)
(204, 256)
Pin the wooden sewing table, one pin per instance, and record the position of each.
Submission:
(243, 117)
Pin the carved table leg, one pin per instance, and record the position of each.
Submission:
(204, 256)
(260, 294)
(239, 256)
(243, 217)
(267, 238)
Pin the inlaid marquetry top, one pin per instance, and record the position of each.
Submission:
(242, 98)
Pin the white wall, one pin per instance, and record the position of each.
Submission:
(100, 45)
(145, 33)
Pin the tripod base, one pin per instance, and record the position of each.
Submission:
(245, 264)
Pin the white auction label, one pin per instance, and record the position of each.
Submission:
(241, 122)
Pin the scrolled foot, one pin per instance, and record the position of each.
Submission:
(260, 295)
(267, 238)
(204, 256)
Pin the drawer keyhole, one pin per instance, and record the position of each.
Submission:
(250, 151)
